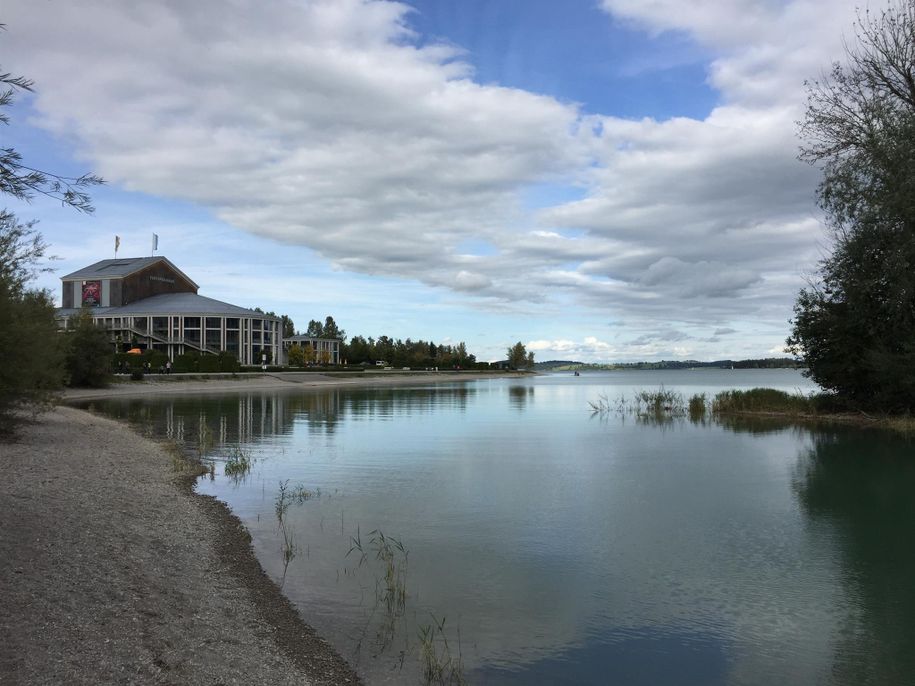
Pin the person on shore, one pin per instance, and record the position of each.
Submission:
(168, 367)
(264, 361)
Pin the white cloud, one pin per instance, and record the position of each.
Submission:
(324, 123)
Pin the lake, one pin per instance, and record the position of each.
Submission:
(525, 539)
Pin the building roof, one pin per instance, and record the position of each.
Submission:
(119, 268)
(172, 303)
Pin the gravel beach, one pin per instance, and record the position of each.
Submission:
(113, 571)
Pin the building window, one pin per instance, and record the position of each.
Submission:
(160, 327)
(214, 339)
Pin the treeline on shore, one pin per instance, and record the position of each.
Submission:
(762, 363)
(408, 353)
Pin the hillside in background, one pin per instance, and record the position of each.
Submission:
(765, 363)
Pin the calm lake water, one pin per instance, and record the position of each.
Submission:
(550, 545)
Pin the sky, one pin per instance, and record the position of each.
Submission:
(602, 180)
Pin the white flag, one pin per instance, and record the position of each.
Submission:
(155, 242)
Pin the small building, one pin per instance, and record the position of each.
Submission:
(147, 302)
(319, 350)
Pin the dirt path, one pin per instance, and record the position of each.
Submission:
(112, 571)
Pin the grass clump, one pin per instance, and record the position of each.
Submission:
(181, 463)
(659, 403)
(764, 400)
(238, 465)
(697, 407)
(391, 586)
(438, 664)
(286, 496)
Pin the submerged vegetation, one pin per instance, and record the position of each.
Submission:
(286, 497)
(238, 464)
(391, 585)
(439, 665)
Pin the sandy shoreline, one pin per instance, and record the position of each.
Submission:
(113, 571)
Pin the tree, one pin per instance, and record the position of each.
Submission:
(31, 355)
(31, 364)
(297, 356)
(23, 182)
(88, 352)
(288, 326)
(331, 330)
(855, 324)
(315, 329)
(519, 357)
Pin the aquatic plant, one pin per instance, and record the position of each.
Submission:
(764, 400)
(697, 407)
(391, 584)
(181, 463)
(290, 547)
(659, 403)
(204, 439)
(287, 496)
(439, 666)
(282, 502)
(238, 463)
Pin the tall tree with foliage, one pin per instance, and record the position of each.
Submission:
(315, 329)
(331, 330)
(31, 364)
(519, 357)
(855, 325)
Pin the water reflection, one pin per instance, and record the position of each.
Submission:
(520, 395)
(861, 482)
(243, 418)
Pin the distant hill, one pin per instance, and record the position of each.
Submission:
(763, 363)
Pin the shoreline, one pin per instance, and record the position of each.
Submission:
(115, 571)
(183, 384)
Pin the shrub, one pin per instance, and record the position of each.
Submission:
(87, 352)
(228, 362)
(186, 364)
(208, 364)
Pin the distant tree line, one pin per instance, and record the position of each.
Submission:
(407, 353)
(762, 363)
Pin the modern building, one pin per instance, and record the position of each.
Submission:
(321, 350)
(148, 303)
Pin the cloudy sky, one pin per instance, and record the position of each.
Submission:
(602, 180)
